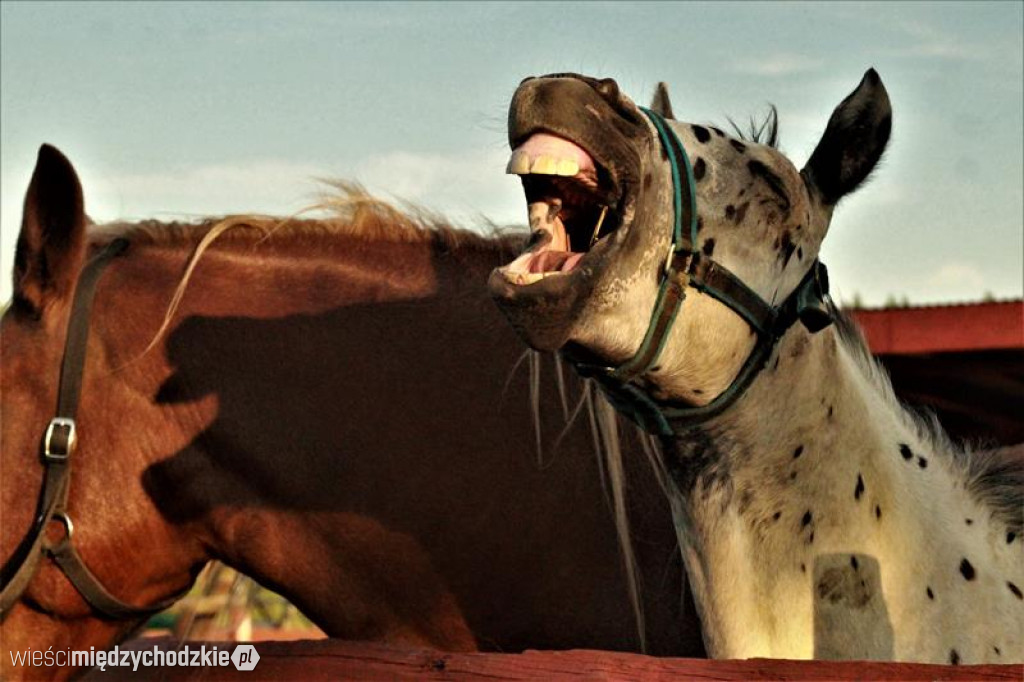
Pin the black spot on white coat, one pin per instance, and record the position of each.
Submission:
(699, 168)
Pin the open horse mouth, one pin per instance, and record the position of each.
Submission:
(568, 207)
(574, 145)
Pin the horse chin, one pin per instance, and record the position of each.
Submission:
(542, 313)
(543, 291)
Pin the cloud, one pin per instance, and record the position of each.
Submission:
(925, 41)
(779, 64)
(265, 186)
(462, 186)
(957, 280)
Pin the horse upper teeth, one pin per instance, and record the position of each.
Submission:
(568, 167)
(520, 163)
(544, 165)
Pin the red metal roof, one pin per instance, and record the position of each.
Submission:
(937, 329)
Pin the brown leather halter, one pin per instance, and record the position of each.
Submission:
(58, 446)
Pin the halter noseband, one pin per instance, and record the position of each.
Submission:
(58, 446)
(686, 266)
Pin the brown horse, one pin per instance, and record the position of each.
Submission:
(327, 412)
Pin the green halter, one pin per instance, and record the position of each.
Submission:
(686, 267)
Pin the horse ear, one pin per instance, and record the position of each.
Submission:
(51, 243)
(660, 103)
(852, 143)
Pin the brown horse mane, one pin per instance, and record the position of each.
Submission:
(348, 211)
(351, 213)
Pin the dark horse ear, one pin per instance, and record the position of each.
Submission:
(51, 243)
(660, 103)
(853, 141)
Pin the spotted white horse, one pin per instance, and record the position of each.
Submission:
(677, 265)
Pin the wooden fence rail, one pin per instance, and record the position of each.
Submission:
(323, 660)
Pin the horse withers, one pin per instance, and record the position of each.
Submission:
(331, 410)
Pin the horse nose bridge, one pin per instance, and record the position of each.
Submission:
(554, 103)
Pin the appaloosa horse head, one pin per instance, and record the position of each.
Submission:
(678, 266)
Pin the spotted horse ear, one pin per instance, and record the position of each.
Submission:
(660, 103)
(852, 143)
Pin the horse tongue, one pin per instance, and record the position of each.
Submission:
(571, 262)
(544, 216)
(554, 261)
(555, 255)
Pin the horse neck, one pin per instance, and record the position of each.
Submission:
(238, 280)
(817, 519)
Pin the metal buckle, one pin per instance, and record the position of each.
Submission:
(61, 453)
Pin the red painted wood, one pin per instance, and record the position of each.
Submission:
(325, 660)
(936, 329)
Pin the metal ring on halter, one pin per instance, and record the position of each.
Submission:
(69, 528)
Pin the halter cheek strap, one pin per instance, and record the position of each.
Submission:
(686, 267)
(59, 444)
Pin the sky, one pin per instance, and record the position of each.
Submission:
(180, 109)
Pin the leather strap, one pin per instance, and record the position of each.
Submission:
(58, 447)
(19, 570)
(89, 586)
(716, 280)
(670, 299)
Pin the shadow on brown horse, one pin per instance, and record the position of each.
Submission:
(328, 413)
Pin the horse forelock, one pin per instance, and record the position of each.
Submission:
(994, 477)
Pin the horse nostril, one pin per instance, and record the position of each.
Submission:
(609, 89)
